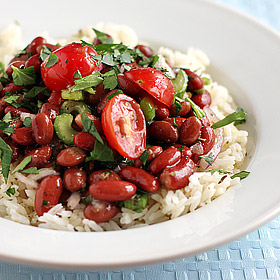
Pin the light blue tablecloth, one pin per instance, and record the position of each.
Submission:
(256, 256)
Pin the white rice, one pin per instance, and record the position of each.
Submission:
(203, 188)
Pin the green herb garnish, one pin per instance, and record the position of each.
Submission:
(30, 170)
(104, 39)
(237, 117)
(6, 158)
(22, 164)
(24, 77)
(208, 158)
(88, 126)
(114, 94)
(27, 122)
(101, 152)
(10, 191)
(52, 60)
(87, 82)
(241, 175)
(144, 157)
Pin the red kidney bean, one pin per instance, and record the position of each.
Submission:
(153, 151)
(71, 156)
(96, 121)
(23, 136)
(128, 87)
(202, 99)
(17, 63)
(163, 132)
(162, 111)
(12, 88)
(195, 82)
(42, 128)
(183, 111)
(48, 193)
(84, 140)
(39, 157)
(22, 57)
(190, 130)
(101, 105)
(49, 46)
(16, 124)
(175, 121)
(34, 61)
(15, 148)
(51, 110)
(74, 179)
(167, 158)
(112, 190)
(186, 151)
(36, 42)
(207, 133)
(15, 112)
(101, 212)
(140, 178)
(147, 51)
(103, 175)
(99, 92)
(56, 98)
(177, 176)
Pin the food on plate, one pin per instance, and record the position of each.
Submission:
(98, 134)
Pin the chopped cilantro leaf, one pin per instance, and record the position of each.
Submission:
(30, 170)
(101, 152)
(221, 171)
(22, 164)
(34, 92)
(87, 82)
(144, 157)
(10, 191)
(241, 175)
(24, 77)
(88, 126)
(114, 94)
(6, 158)
(208, 158)
(52, 60)
(27, 122)
(103, 37)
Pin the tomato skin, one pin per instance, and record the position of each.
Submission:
(72, 58)
(48, 193)
(124, 126)
(153, 82)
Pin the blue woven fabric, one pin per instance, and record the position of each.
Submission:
(256, 256)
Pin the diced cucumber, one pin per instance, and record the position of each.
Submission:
(137, 203)
(72, 106)
(180, 83)
(63, 128)
(75, 95)
(148, 107)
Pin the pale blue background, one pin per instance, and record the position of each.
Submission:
(256, 256)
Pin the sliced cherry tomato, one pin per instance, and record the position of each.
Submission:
(72, 58)
(154, 82)
(124, 126)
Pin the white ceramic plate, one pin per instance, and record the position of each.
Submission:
(245, 57)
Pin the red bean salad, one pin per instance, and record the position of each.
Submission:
(112, 124)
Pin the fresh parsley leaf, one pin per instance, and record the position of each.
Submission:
(31, 170)
(10, 191)
(144, 157)
(110, 80)
(45, 51)
(22, 164)
(103, 37)
(11, 99)
(52, 60)
(27, 122)
(87, 82)
(88, 126)
(45, 202)
(114, 94)
(208, 158)
(8, 117)
(24, 77)
(77, 75)
(34, 92)
(221, 171)
(242, 175)
(237, 117)
(6, 158)
(9, 130)
(125, 57)
(101, 152)
(108, 59)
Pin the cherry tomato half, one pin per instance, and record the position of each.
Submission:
(124, 126)
(153, 82)
(72, 58)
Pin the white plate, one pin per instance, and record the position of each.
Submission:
(245, 57)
